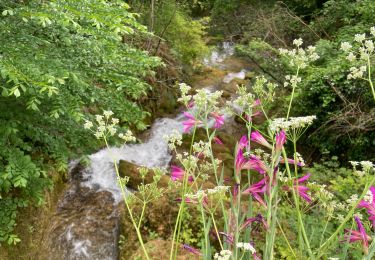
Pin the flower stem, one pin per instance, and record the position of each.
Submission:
(369, 77)
(292, 97)
(139, 235)
(299, 216)
(216, 230)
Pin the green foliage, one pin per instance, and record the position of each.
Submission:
(59, 60)
(171, 22)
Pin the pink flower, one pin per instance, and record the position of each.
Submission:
(219, 119)
(258, 218)
(259, 165)
(370, 206)
(190, 122)
(360, 235)
(291, 161)
(280, 140)
(178, 174)
(301, 190)
(243, 142)
(188, 200)
(256, 103)
(217, 140)
(249, 118)
(191, 249)
(256, 189)
(228, 238)
(242, 163)
(191, 104)
(258, 138)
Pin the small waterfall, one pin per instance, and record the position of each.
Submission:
(86, 225)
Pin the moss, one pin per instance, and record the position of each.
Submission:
(33, 227)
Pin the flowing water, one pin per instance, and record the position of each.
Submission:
(86, 225)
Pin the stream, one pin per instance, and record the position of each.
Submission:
(86, 224)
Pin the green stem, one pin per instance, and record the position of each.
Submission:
(139, 235)
(299, 216)
(342, 225)
(371, 251)
(291, 99)
(216, 230)
(286, 239)
(369, 77)
(143, 211)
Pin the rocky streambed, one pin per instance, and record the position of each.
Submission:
(86, 224)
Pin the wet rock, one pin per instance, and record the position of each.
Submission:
(86, 224)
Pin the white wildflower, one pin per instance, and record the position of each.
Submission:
(223, 255)
(360, 37)
(246, 247)
(345, 46)
(372, 30)
(369, 45)
(115, 121)
(368, 197)
(351, 57)
(88, 124)
(298, 42)
(107, 113)
(99, 118)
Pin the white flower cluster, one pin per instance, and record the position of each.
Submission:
(353, 199)
(107, 126)
(361, 51)
(218, 190)
(244, 98)
(202, 148)
(264, 89)
(300, 57)
(292, 80)
(368, 197)
(356, 73)
(223, 255)
(175, 138)
(127, 137)
(293, 123)
(207, 101)
(185, 97)
(367, 167)
(300, 158)
(246, 247)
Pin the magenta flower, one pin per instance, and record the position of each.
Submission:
(256, 103)
(258, 218)
(249, 118)
(190, 104)
(243, 142)
(259, 165)
(258, 138)
(369, 205)
(280, 140)
(178, 174)
(228, 238)
(242, 163)
(256, 189)
(301, 190)
(217, 140)
(191, 249)
(360, 235)
(190, 122)
(187, 200)
(219, 119)
(291, 161)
